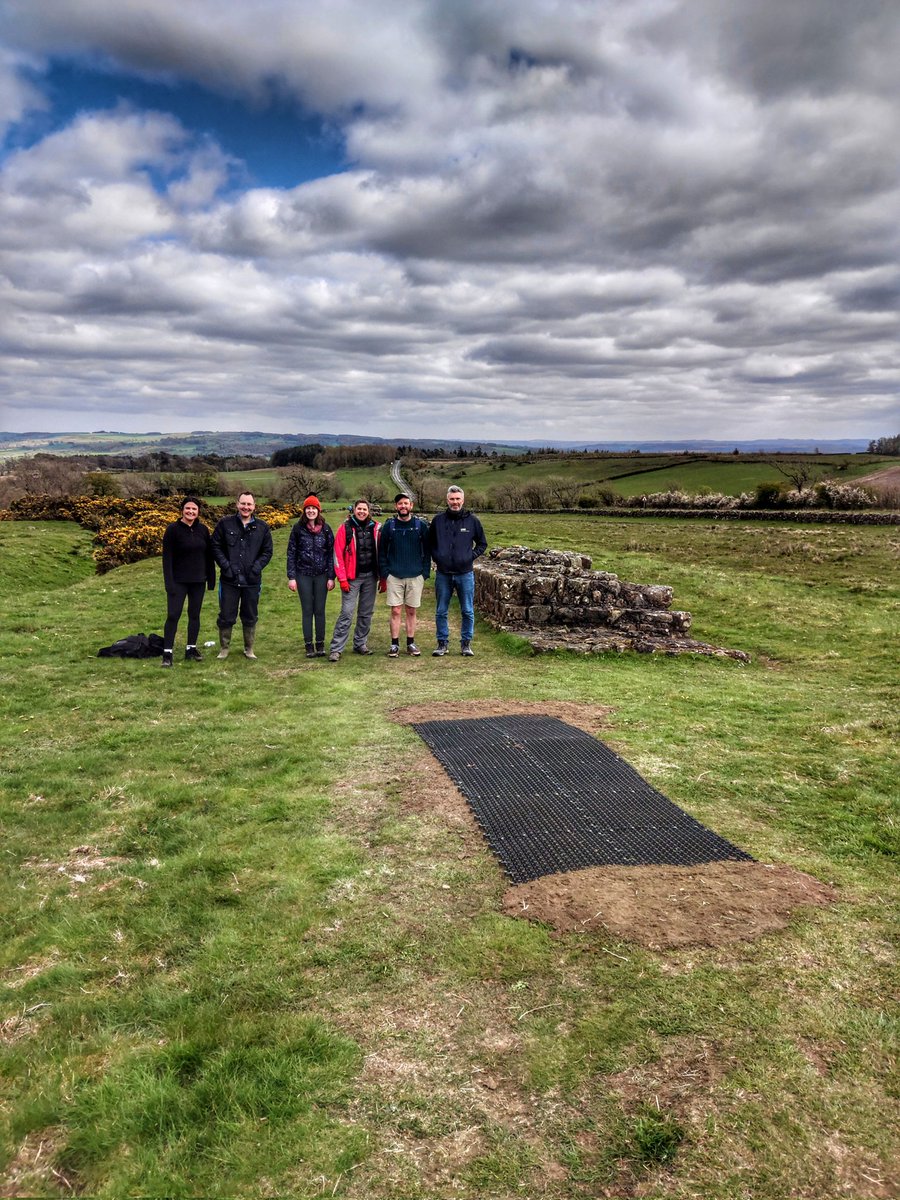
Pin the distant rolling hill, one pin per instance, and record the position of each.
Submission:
(228, 442)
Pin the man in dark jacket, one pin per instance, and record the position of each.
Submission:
(404, 563)
(242, 546)
(455, 540)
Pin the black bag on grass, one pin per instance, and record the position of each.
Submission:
(136, 645)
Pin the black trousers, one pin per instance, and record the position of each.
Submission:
(175, 598)
(232, 598)
(312, 590)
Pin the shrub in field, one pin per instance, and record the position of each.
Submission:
(40, 507)
(101, 483)
(125, 539)
(771, 495)
(126, 530)
(678, 499)
(275, 517)
(599, 497)
(841, 495)
(120, 541)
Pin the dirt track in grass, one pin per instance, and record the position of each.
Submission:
(658, 907)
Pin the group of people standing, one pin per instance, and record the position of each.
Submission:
(363, 557)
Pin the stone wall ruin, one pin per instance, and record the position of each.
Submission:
(556, 601)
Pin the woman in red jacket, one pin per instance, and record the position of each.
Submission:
(356, 568)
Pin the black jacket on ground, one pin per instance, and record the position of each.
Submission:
(187, 555)
(242, 551)
(455, 540)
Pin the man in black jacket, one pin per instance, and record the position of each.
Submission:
(242, 546)
(455, 539)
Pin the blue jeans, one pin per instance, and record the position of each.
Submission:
(444, 587)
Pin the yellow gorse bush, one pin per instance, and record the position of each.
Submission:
(125, 531)
(119, 540)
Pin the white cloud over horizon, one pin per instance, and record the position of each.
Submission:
(564, 220)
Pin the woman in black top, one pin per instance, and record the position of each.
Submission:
(188, 567)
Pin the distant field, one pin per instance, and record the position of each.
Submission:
(632, 476)
(355, 481)
(627, 475)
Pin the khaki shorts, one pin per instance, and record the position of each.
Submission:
(405, 591)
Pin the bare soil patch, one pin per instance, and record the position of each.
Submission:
(886, 475)
(884, 483)
(660, 907)
(81, 863)
(589, 717)
(30, 1172)
(665, 907)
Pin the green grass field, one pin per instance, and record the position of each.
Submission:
(624, 474)
(242, 960)
(632, 476)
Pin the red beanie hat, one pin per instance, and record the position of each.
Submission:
(311, 502)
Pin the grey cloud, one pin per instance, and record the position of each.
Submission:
(808, 46)
(643, 218)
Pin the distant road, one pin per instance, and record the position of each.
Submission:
(402, 485)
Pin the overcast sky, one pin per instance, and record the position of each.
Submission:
(450, 218)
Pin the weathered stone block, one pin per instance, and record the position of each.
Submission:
(510, 590)
(539, 614)
(576, 608)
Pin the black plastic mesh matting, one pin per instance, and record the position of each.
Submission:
(549, 797)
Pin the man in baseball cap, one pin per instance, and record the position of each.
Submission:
(404, 563)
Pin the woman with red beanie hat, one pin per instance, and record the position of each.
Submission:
(310, 572)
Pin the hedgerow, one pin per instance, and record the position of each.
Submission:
(126, 531)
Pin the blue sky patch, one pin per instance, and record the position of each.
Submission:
(280, 143)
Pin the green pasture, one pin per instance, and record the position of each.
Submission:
(242, 959)
(627, 475)
(354, 482)
(632, 476)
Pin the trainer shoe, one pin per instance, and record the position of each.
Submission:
(394, 651)
(440, 650)
(362, 650)
(192, 654)
(413, 649)
(334, 656)
(465, 648)
(166, 659)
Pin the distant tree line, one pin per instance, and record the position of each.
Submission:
(332, 458)
(885, 445)
(153, 474)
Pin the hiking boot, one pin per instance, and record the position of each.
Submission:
(362, 650)
(394, 651)
(192, 654)
(310, 650)
(413, 649)
(249, 639)
(440, 650)
(320, 650)
(465, 648)
(166, 658)
(224, 640)
(334, 656)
